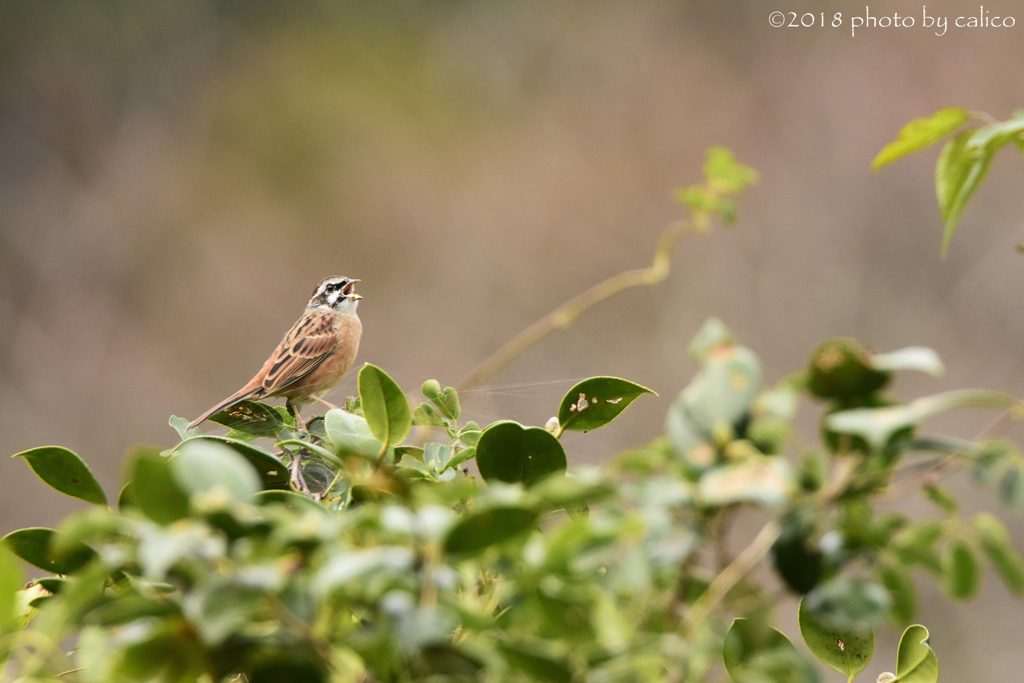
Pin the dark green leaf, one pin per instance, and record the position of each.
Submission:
(995, 541)
(384, 406)
(155, 490)
(794, 554)
(535, 665)
(961, 572)
(916, 661)
(843, 368)
(251, 418)
(295, 501)
(920, 133)
(35, 546)
(597, 401)
(511, 453)
(65, 471)
(488, 527)
(846, 651)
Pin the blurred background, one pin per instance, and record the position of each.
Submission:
(176, 176)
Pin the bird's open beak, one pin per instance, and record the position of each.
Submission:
(350, 290)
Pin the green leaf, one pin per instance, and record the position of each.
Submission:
(853, 605)
(203, 466)
(722, 393)
(1004, 558)
(992, 459)
(35, 545)
(846, 651)
(426, 414)
(916, 661)
(486, 528)
(251, 418)
(758, 652)
(902, 591)
(346, 568)
(350, 433)
(12, 578)
(448, 403)
(460, 457)
(1011, 488)
(919, 358)
(958, 174)
(597, 401)
(537, 666)
(384, 406)
(768, 481)
(296, 501)
(794, 555)
(942, 499)
(273, 473)
(725, 174)
(155, 490)
(180, 425)
(65, 471)
(712, 334)
(511, 453)
(961, 571)
(842, 368)
(916, 544)
(920, 133)
(877, 425)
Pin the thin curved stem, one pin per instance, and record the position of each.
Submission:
(731, 575)
(563, 316)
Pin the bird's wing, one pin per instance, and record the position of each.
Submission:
(307, 344)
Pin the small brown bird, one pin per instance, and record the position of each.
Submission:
(314, 355)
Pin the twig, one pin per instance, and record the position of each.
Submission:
(955, 460)
(732, 574)
(564, 315)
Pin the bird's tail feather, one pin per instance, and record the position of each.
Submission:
(223, 405)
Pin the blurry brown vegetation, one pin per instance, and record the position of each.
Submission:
(176, 176)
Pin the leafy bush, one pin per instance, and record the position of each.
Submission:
(344, 553)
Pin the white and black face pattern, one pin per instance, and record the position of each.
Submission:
(337, 293)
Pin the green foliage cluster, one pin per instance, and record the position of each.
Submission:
(965, 159)
(346, 551)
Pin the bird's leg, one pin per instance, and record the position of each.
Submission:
(330, 406)
(294, 409)
(298, 481)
